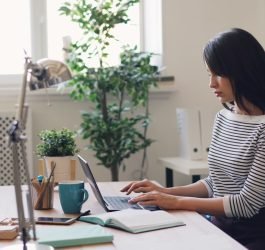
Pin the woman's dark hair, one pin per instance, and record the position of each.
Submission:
(237, 55)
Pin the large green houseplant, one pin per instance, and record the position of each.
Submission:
(58, 146)
(114, 128)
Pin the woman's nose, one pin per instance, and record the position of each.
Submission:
(212, 82)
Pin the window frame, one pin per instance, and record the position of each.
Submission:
(39, 34)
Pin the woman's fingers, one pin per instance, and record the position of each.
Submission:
(137, 187)
(161, 200)
(143, 198)
(124, 189)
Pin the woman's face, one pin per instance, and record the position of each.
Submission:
(222, 87)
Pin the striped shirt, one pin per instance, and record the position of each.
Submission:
(237, 163)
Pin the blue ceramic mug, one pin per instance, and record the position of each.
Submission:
(72, 196)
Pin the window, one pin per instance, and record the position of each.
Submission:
(70, 31)
(15, 38)
(36, 27)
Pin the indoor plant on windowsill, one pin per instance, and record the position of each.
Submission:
(58, 146)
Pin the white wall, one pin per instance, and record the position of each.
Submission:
(187, 26)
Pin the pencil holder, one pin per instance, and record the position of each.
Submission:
(42, 194)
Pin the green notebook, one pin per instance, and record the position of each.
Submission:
(134, 220)
(64, 236)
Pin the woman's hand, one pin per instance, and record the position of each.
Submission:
(162, 200)
(143, 186)
(212, 206)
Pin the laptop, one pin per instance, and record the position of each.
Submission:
(109, 203)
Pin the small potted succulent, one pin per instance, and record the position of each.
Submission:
(58, 146)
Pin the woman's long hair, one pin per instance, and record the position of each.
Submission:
(237, 55)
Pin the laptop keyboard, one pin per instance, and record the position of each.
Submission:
(120, 203)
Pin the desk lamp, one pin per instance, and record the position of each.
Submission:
(43, 74)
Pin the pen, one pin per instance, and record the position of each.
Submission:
(43, 189)
(82, 214)
(40, 179)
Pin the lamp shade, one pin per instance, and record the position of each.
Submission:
(46, 73)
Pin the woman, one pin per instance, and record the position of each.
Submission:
(234, 191)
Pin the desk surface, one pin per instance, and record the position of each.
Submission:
(197, 234)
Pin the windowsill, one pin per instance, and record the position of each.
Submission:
(166, 85)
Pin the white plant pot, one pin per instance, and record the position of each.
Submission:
(65, 167)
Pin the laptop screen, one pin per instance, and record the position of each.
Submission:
(92, 181)
(99, 196)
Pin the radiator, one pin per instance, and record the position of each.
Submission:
(6, 160)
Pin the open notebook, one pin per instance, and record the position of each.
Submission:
(109, 203)
(135, 221)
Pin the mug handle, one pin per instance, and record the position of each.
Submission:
(84, 191)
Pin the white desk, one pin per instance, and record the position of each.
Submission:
(198, 233)
(194, 168)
